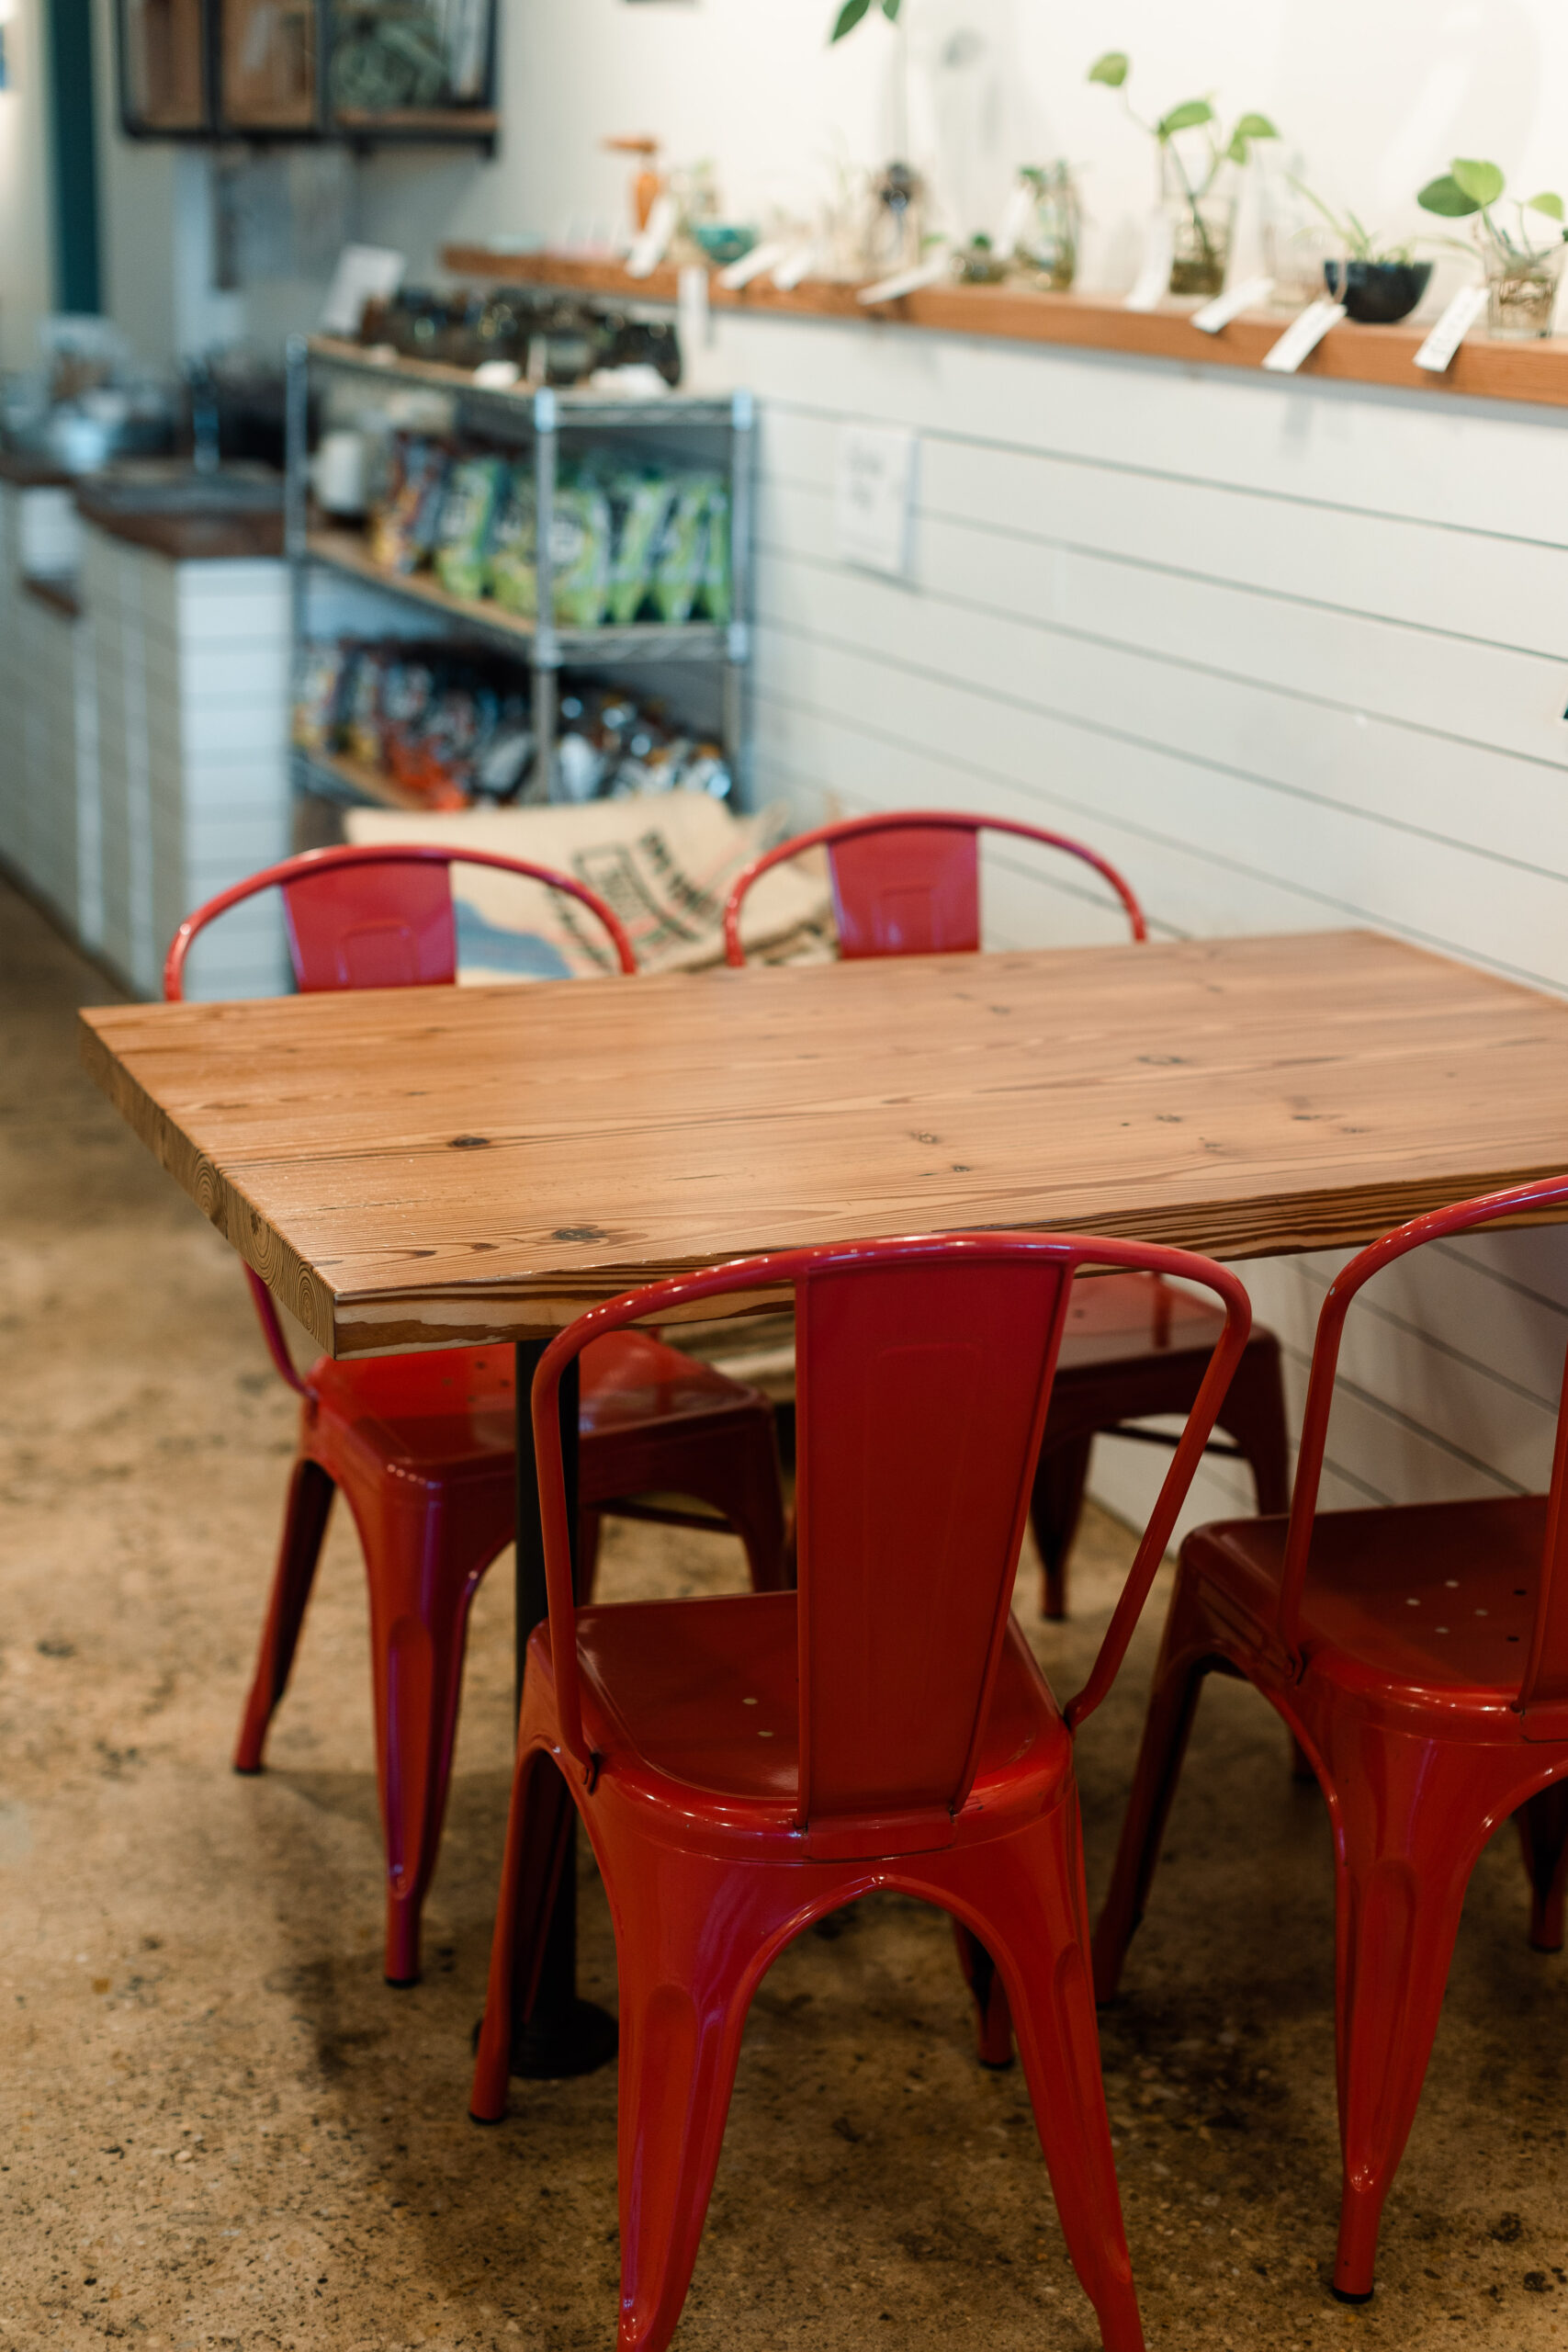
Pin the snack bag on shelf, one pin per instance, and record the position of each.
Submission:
(640, 500)
(403, 529)
(718, 592)
(473, 490)
(579, 550)
(362, 707)
(316, 691)
(682, 548)
(509, 559)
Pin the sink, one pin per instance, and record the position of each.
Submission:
(180, 489)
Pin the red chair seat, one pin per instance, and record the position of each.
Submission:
(1115, 1319)
(708, 1698)
(1438, 1595)
(454, 1410)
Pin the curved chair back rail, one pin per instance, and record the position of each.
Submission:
(908, 882)
(925, 1371)
(1544, 1677)
(368, 915)
(377, 915)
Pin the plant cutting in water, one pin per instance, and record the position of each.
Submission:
(1523, 264)
(1359, 244)
(852, 11)
(1194, 114)
(1472, 187)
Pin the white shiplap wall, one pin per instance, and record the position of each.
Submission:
(1293, 655)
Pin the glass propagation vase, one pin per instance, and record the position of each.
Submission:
(1203, 217)
(1521, 292)
(1047, 246)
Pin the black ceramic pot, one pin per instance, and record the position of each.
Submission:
(1379, 292)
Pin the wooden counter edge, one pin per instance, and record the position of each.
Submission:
(1483, 369)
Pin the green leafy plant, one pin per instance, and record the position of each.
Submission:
(1470, 188)
(852, 11)
(1359, 244)
(1194, 114)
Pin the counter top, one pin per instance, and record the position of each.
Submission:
(25, 471)
(1536, 371)
(185, 538)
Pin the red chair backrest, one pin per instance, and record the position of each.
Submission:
(1544, 1685)
(924, 1374)
(377, 916)
(909, 883)
(371, 917)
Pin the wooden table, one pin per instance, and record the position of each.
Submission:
(426, 1168)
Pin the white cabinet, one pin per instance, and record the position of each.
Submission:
(191, 674)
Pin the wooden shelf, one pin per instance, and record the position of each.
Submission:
(337, 774)
(575, 404)
(1536, 371)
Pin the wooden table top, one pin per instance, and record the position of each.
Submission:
(418, 1167)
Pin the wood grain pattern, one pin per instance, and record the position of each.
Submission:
(1536, 371)
(425, 1167)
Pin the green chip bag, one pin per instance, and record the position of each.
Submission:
(718, 590)
(682, 548)
(474, 490)
(579, 549)
(639, 506)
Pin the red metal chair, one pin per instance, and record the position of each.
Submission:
(1420, 1655)
(745, 1765)
(424, 1446)
(909, 884)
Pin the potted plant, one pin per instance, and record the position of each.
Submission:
(1379, 285)
(1522, 269)
(1197, 185)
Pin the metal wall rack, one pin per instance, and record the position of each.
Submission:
(540, 418)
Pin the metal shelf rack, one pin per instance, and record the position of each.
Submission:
(526, 416)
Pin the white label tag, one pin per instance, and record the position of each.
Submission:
(908, 282)
(794, 268)
(1154, 279)
(653, 242)
(874, 489)
(756, 264)
(497, 375)
(1303, 336)
(1249, 296)
(693, 319)
(1451, 329)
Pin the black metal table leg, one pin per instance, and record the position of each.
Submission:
(564, 2035)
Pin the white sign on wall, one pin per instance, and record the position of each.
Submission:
(874, 497)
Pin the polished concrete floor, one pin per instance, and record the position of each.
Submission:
(218, 2126)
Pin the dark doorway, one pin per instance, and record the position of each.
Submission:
(72, 125)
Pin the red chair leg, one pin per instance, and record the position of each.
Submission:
(1035, 1922)
(1410, 1815)
(684, 1991)
(1543, 1838)
(304, 1526)
(1055, 1506)
(537, 1839)
(1173, 1702)
(993, 2018)
(421, 1576)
